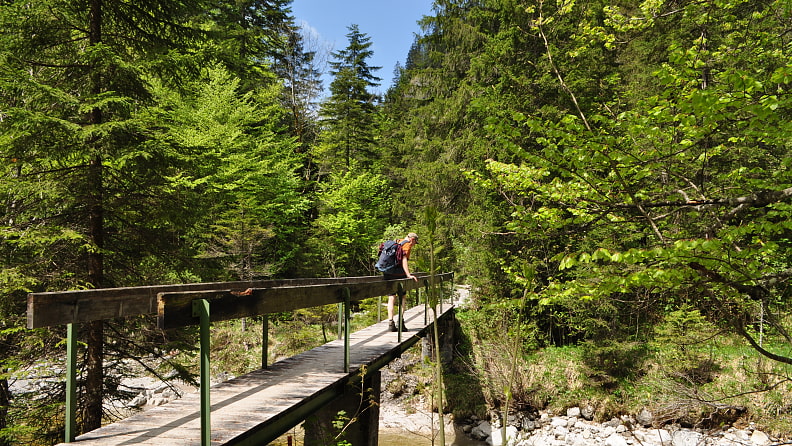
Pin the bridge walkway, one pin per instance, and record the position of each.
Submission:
(258, 407)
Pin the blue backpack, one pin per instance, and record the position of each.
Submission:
(390, 256)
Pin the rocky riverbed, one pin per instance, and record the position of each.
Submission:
(573, 429)
(402, 409)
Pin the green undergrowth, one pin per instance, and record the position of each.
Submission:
(687, 372)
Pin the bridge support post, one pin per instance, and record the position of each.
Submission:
(200, 308)
(360, 402)
(71, 383)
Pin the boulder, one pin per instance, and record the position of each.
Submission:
(760, 438)
(645, 418)
(616, 440)
(686, 438)
(482, 431)
(496, 440)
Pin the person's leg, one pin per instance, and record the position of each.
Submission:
(391, 303)
(402, 309)
(392, 298)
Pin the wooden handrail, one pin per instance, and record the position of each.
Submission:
(175, 308)
(79, 306)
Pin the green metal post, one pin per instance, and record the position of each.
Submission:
(426, 301)
(200, 308)
(347, 295)
(439, 289)
(340, 319)
(399, 293)
(265, 341)
(71, 383)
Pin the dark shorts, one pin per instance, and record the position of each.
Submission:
(397, 275)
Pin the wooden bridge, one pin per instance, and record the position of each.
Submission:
(256, 408)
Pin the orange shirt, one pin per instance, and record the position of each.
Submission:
(406, 248)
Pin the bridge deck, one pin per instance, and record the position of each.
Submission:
(261, 399)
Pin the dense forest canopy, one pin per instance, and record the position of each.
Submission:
(610, 161)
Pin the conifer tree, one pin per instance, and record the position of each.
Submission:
(348, 115)
(297, 66)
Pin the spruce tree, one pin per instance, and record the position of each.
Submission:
(348, 115)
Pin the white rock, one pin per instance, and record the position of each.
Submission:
(495, 437)
(760, 438)
(482, 431)
(616, 440)
(607, 431)
(737, 436)
(138, 401)
(654, 436)
(686, 438)
(573, 412)
(560, 432)
(559, 421)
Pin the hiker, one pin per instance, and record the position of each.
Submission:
(401, 271)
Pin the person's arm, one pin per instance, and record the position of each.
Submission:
(406, 269)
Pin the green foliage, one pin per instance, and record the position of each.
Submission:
(353, 209)
(125, 164)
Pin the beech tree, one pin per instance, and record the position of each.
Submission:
(682, 193)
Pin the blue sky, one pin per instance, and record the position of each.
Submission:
(391, 26)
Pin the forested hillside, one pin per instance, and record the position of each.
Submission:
(608, 175)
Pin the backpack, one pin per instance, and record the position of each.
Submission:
(390, 256)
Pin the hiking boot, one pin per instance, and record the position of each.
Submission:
(404, 327)
(392, 326)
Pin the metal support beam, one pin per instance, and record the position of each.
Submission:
(265, 341)
(340, 320)
(347, 303)
(71, 382)
(399, 293)
(201, 310)
(427, 295)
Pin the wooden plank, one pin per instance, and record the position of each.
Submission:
(175, 309)
(255, 408)
(64, 307)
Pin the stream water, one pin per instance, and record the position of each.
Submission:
(392, 437)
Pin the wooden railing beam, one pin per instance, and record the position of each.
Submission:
(79, 306)
(174, 309)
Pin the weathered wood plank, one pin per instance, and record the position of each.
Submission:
(175, 309)
(78, 306)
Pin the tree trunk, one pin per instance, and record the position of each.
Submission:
(92, 414)
(4, 402)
